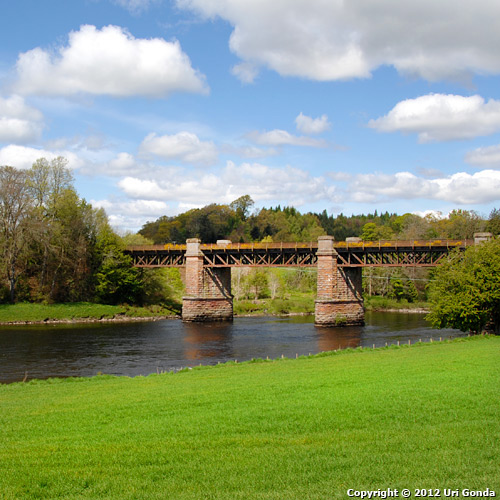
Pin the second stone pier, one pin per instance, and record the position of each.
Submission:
(339, 300)
(208, 289)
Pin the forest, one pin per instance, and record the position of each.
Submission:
(238, 222)
(56, 248)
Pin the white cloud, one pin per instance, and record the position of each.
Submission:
(484, 157)
(283, 138)
(109, 61)
(92, 142)
(183, 146)
(246, 72)
(23, 157)
(340, 176)
(250, 152)
(435, 214)
(19, 123)
(131, 214)
(459, 188)
(286, 185)
(438, 117)
(308, 125)
(334, 39)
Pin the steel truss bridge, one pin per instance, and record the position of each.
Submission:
(413, 253)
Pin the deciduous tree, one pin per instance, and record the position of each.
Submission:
(466, 290)
(15, 213)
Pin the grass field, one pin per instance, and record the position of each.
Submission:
(294, 303)
(426, 416)
(377, 303)
(74, 311)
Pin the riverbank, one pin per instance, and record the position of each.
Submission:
(425, 416)
(302, 304)
(85, 312)
(80, 312)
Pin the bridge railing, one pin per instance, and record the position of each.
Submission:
(371, 245)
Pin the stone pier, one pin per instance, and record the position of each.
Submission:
(208, 289)
(339, 300)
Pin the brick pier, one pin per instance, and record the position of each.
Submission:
(339, 300)
(208, 289)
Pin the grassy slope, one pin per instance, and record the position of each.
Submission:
(70, 311)
(426, 416)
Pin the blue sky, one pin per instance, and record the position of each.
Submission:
(165, 105)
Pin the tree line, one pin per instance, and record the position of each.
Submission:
(238, 223)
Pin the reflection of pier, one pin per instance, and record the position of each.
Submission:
(207, 341)
(339, 301)
(331, 339)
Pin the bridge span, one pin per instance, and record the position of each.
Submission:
(339, 298)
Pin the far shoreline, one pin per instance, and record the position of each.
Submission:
(135, 319)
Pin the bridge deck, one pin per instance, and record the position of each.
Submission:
(395, 253)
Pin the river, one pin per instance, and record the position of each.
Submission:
(141, 348)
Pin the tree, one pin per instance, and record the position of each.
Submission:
(258, 283)
(466, 290)
(15, 211)
(370, 232)
(493, 225)
(242, 206)
(117, 281)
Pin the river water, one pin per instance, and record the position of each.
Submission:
(141, 348)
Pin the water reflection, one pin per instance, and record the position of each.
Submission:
(142, 348)
(212, 340)
(331, 339)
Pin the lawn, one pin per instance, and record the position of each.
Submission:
(426, 416)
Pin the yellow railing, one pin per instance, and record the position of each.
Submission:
(310, 245)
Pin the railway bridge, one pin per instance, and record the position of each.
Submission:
(339, 264)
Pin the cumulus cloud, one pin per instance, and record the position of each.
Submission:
(131, 214)
(19, 123)
(183, 146)
(459, 188)
(263, 183)
(111, 62)
(283, 138)
(484, 157)
(439, 117)
(310, 126)
(331, 40)
(23, 157)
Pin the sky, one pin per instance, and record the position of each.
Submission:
(161, 106)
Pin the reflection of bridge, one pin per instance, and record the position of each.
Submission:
(339, 299)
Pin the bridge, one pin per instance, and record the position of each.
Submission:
(339, 298)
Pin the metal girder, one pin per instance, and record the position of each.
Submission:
(416, 253)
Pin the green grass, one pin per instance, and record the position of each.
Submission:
(375, 303)
(303, 303)
(426, 416)
(295, 303)
(74, 311)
